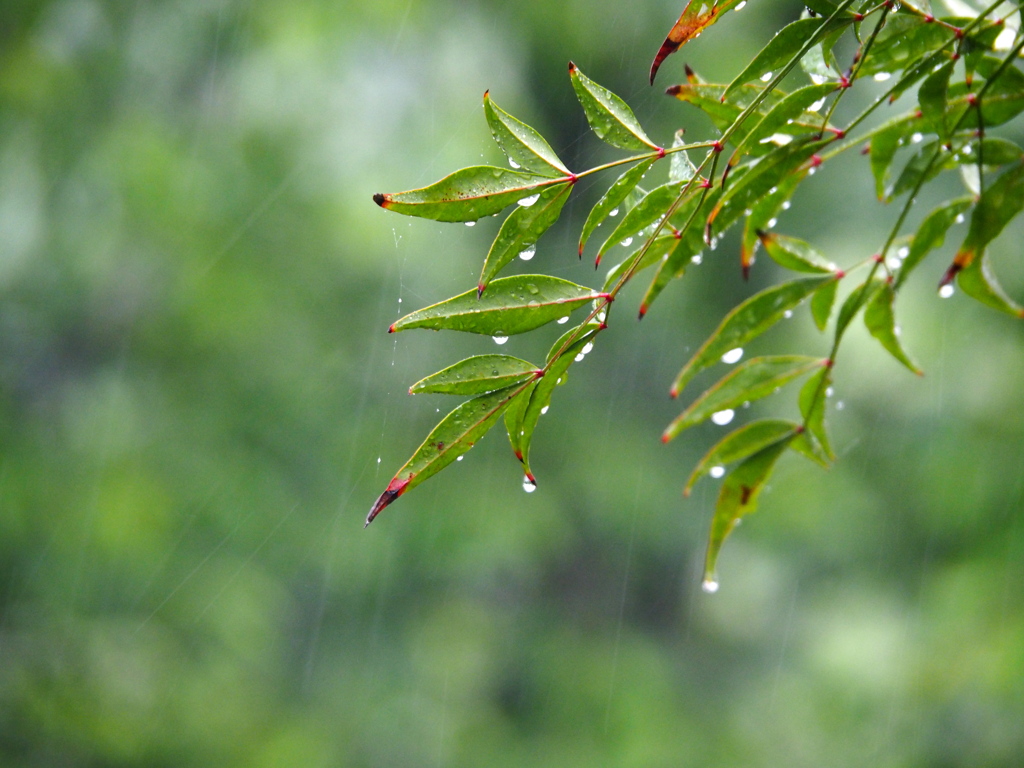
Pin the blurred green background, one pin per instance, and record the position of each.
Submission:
(199, 402)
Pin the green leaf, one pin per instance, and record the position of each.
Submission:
(880, 319)
(521, 143)
(738, 498)
(522, 229)
(780, 51)
(465, 195)
(455, 435)
(694, 19)
(932, 234)
(681, 167)
(650, 209)
(885, 142)
(927, 163)
(792, 107)
(510, 306)
(822, 302)
(658, 250)
(933, 95)
(476, 375)
(523, 423)
(743, 442)
(748, 321)
(613, 198)
(857, 299)
(795, 254)
(753, 380)
(812, 400)
(900, 43)
(978, 282)
(610, 117)
(763, 213)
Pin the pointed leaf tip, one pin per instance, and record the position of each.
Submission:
(395, 489)
(380, 199)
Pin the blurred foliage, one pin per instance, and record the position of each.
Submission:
(196, 383)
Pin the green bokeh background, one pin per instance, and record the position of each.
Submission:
(199, 402)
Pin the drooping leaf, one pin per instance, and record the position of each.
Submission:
(933, 95)
(521, 143)
(741, 443)
(658, 250)
(812, 400)
(738, 498)
(880, 319)
(466, 195)
(885, 142)
(931, 234)
(978, 282)
(476, 375)
(748, 321)
(755, 379)
(763, 215)
(455, 435)
(522, 229)
(540, 396)
(613, 198)
(858, 297)
(609, 116)
(510, 306)
(793, 253)
(650, 209)
(695, 18)
(823, 301)
(681, 167)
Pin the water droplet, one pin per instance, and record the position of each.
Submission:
(881, 77)
(528, 485)
(767, 76)
(817, 79)
(840, 405)
(786, 205)
(917, 137)
(563, 320)
(579, 357)
(959, 219)
(499, 339)
(713, 244)
(697, 259)
(787, 314)
(544, 410)
(516, 166)
(587, 348)
(967, 150)
(378, 459)
(740, 7)
(532, 288)
(903, 252)
(470, 223)
(733, 356)
(614, 212)
(817, 105)
(812, 171)
(717, 472)
(723, 417)
(526, 202)
(772, 223)
(528, 253)
(627, 242)
(829, 392)
(710, 586)
(460, 458)
(946, 291)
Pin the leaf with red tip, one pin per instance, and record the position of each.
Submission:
(477, 375)
(613, 198)
(978, 282)
(793, 253)
(609, 116)
(998, 205)
(521, 143)
(455, 435)
(748, 321)
(466, 195)
(740, 444)
(738, 498)
(511, 305)
(753, 380)
(880, 319)
(522, 229)
(695, 18)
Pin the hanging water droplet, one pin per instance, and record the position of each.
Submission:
(526, 202)
(627, 242)
(579, 357)
(516, 166)
(587, 348)
(903, 252)
(959, 219)
(767, 76)
(723, 417)
(470, 223)
(817, 105)
(946, 291)
(733, 356)
(772, 222)
(713, 244)
(697, 259)
(787, 314)
(614, 212)
(528, 485)
(786, 205)
(544, 410)
(460, 458)
(533, 289)
(528, 253)
(717, 472)
(378, 459)
(499, 338)
(710, 586)
(917, 137)
(817, 79)
(740, 7)
(563, 320)
(881, 77)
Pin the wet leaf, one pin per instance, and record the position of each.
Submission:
(650, 209)
(681, 167)
(793, 107)
(822, 303)
(613, 198)
(695, 18)
(763, 212)
(521, 143)
(455, 435)
(510, 306)
(932, 234)
(933, 95)
(927, 163)
(741, 443)
(795, 254)
(978, 282)
(885, 142)
(880, 319)
(476, 375)
(755, 379)
(813, 396)
(609, 116)
(748, 321)
(522, 229)
(465, 195)
(661, 247)
(738, 498)
(858, 297)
